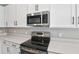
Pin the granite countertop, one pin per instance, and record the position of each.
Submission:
(63, 45)
(15, 38)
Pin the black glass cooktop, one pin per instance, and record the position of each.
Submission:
(32, 44)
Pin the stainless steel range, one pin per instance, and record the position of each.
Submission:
(38, 43)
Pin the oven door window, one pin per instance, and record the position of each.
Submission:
(36, 19)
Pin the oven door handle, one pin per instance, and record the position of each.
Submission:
(29, 50)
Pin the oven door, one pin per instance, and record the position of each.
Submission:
(26, 50)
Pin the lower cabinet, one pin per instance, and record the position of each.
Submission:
(14, 50)
(10, 48)
(1, 46)
(5, 49)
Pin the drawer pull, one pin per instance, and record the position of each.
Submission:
(14, 45)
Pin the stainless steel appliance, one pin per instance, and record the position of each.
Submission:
(37, 45)
(39, 19)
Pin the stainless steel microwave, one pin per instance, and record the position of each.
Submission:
(39, 19)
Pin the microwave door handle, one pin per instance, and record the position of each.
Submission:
(41, 18)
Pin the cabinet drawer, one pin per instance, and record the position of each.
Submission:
(15, 45)
(11, 44)
(18, 50)
(7, 43)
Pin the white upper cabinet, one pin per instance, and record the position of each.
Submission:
(44, 7)
(2, 21)
(21, 15)
(62, 15)
(15, 15)
(77, 12)
(38, 7)
(9, 16)
(1, 46)
(31, 8)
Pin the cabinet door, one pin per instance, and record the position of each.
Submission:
(1, 41)
(38, 7)
(16, 15)
(10, 15)
(77, 11)
(62, 15)
(14, 50)
(21, 15)
(2, 21)
(13, 14)
(31, 8)
(5, 49)
(44, 7)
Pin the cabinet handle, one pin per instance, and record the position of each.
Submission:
(4, 42)
(36, 7)
(8, 49)
(78, 19)
(73, 20)
(15, 23)
(14, 45)
(6, 23)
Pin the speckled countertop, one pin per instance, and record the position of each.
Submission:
(16, 38)
(64, 45)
